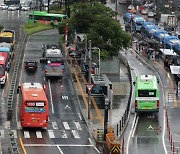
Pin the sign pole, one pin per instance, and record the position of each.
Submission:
(106, 105)
(89, 81)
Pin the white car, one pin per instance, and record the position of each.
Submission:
(25, 8)
(13, 8)
(144, 12)
(3, 7)
(130, 7)
(151, 14)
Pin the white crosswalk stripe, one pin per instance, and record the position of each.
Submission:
(75, 134)
(38, 134)
(7, 124)
(19, 125)
(26, 134)
(78, 126)
(1, 133)
(51, 134)
(66, 125)
(14, 133)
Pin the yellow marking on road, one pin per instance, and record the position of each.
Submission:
(79, 85)
(22, 146)
(100, 117)
(171, 83)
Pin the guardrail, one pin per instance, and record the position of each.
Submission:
(10, 98)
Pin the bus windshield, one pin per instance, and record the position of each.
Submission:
(6, 39)
(2, 71)
(146, 93)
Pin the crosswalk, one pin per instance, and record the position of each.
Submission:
(71, 129)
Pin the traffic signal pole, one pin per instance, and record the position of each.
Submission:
(89, 81)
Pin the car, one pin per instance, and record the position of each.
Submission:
(151, 14)
(3, 7)
(13, 7)
(130, 7)
(30, 65)
(144, 12)
(132, 11)
(25, 8)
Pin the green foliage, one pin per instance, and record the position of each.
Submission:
(31, 28)
(96, 21)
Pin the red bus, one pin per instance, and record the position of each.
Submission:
(34, 105)
(4, 66)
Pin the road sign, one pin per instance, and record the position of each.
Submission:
(89, 86)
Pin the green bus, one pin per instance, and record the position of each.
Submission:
(146, 94)
(46, 18)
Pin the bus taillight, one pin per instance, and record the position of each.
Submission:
(135, 103)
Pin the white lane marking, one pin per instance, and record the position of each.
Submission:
(80, 116)
(135, 125)
(66, 125)
(93, 145)
(61, 145)
(54, 125)
(51, 100)
(14, 133)
(1, 133)
(38, 134)
(60, 150)
(51, 134)
(64, 135)
(19, 125)
(0, 148)
(75, 134)
(26, 134)
(7, 124)
(78, 126)
(129, 137)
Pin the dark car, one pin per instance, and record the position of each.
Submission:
(30, 65)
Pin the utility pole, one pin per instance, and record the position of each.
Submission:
(89, 80)
(116, 9)
(48, 5)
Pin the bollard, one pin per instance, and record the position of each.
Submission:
(171, 142)
(123, 146)
(120, 126)
(173, 148)
(117, 130)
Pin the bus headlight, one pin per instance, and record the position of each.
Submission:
(2, 79)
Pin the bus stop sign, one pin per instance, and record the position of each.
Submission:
(89, 87)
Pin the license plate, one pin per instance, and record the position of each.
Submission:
(34, 120)
(147, 107)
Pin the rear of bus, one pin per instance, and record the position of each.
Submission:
(34, 107)
(147, 94)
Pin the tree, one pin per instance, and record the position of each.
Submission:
(95, 20)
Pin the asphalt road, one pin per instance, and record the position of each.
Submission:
(66, 132)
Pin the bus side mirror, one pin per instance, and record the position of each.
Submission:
(134, 83)
(18, 89)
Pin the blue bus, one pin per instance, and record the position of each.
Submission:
(127, 19)
(137, 23)
(160, 34)
(177, 48)
(171, 43)
(150, 30)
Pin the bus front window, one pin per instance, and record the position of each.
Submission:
(2, 71)
(6, 39)
(146, 93)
